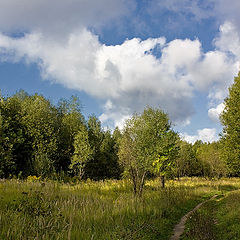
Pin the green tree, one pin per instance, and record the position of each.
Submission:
(128, 158)
(230, 118)
(82, 152)
(146, 146)
(70, 122)
(6, 160)
(95, 167)
(117, 135)
(13, 141)
(39, 118)
(187, 163)
(168, 152)
(104, 161)
(209, 155)
(109, 150)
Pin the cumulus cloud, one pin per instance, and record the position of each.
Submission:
(214, 113)
(229, 39)
(205, 135)
(228, 44)
(130, 75)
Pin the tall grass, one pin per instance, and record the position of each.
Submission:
(99, 210)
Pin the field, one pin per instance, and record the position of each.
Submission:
(90, 210)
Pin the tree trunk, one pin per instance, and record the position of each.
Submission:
(163, 181)
(134, 181)
(142, 184)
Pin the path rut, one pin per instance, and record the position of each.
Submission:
(179, 228)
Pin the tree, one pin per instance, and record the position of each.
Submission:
(168, 152)
(104, 161)
(209, 155)
(39, 118)
(13, 140)
(187, 163)
(145, 146)
(230, 118)
(128, 158)
(70, 122)
(35, 136)
(95, 168)
(82, 152)
(109, 156)
(7, 164)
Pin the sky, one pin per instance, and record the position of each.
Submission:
(119, 56)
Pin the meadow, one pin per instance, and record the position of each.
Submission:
(107, 210)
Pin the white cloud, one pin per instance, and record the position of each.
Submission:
(114, 118)
(213, 74)
(108, 105)
(228, 44)
(205, 135)
(229, 39)
(128, 76)
(214, 113)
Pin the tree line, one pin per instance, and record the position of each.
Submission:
(39, 138)
(42, 139)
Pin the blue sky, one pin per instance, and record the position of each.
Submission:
(119, 56)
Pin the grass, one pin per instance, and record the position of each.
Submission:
(99, 210)
(217, 219)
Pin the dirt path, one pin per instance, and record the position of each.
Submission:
(179, 228)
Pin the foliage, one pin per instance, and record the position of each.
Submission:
(38, 138)
(39, 118)
(187, 163)
(82, 152)
(109, 150)
(146, 146)
(200, 159)
(94, 167)
(42, 139)
(104, 161)
(230, 118)
(209, 156)
(70, 122)
(13, 141)
(167, 155)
